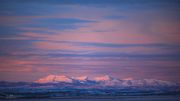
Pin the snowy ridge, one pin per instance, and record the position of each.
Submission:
(63, 86)
(104, 81)
(54, 78)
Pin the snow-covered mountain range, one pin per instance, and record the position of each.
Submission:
(104, 81)
(60, 86)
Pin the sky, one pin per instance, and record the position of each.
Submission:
(137, 39)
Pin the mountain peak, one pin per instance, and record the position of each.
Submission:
(81, 78)
(103, 78)
(54, 78)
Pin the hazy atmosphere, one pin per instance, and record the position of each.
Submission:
(126, 39)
